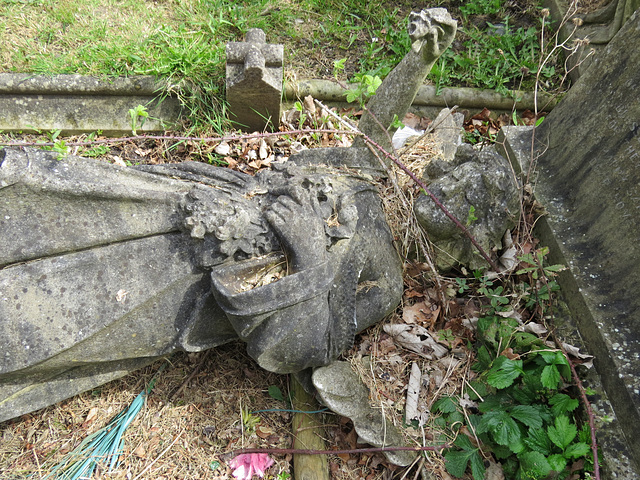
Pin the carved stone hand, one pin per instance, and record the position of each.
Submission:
(300, 230)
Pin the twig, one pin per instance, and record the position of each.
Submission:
(299, 451)
(585, 402)
(158, 457)
(182, 139)
(190, 377)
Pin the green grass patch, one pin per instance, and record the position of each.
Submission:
(184, 41)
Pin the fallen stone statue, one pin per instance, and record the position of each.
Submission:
(105, 269)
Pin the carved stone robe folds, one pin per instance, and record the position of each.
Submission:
(104, 269)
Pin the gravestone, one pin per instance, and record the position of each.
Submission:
(589, 182)
(254, 82)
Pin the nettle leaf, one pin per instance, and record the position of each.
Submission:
(464, 443)
(527, 415)
(561, 403)
(554, 357)
(563, 433)
(504, 372)
(477, 466)
(498, 401)
(538, 440)
(534, 465)
(484, 360)
(577, 450)
(557, 462)
(456, 461)
(550, 377)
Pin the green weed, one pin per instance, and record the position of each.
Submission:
(525, 415)
(138, 117)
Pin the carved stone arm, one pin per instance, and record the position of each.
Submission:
(431, 31)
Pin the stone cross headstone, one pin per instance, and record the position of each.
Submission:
(589, 182)
(254, 82)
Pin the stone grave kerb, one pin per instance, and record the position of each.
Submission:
(587, 153)
(254, 82)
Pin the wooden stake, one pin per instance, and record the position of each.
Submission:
(308, 434)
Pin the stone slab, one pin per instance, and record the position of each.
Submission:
(589, 182)
(78, 104)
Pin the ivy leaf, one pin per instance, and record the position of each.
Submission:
(527, 415)
(561, 404)
(563, 433)
(534, 465)
(550, 377)
(577, 450)
(557, 462)
(504, 372)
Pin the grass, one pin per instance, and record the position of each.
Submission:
(183, 41)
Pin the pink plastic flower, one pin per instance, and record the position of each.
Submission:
(249, 464)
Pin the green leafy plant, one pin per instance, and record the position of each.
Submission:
(525, 414)
(501, 58)
(276, 393)
(249, 420)
(481, 7)
(366, 86)
(59, 145)
(338, 67)
(471, 216)
(138, 117)
(302, 116)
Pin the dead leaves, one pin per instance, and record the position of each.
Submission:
(416, 339)
(488, 126)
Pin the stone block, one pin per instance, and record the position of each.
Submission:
(78, 104)
(254, 82)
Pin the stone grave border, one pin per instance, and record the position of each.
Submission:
(77, 104)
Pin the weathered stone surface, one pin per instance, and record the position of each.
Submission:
(342, 391)
(81, 104)
(479, 179)
(431, 31)
(589, 32)
(589, 181)
(447, 130)
(254, 82)
(108, 266)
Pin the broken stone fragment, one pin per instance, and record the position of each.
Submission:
(478, 187)
(341, 389)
